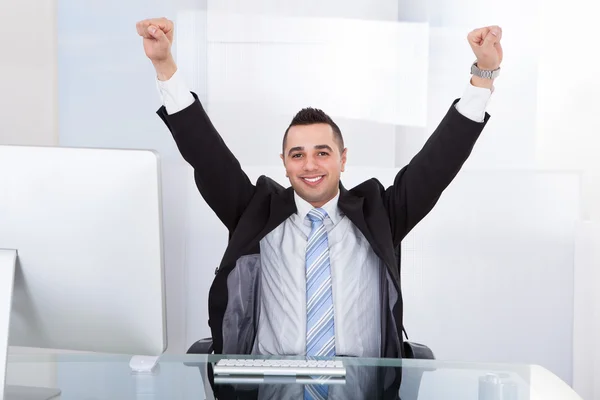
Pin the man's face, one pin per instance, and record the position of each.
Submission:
(313, 162)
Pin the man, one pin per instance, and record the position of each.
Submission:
(314, 269)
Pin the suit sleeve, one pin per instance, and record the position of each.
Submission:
(419, 185)
(218, 174)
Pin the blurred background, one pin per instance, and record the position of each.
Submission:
(503, 269)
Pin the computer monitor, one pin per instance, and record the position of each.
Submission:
(80, 232)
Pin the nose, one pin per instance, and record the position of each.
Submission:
(310, 164)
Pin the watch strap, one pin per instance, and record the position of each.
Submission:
(486, 74)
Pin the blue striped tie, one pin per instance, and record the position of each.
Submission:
(320, 332)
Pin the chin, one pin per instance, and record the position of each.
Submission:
(313, 198)
(313, 195)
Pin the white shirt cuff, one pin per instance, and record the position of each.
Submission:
(174, 93)
(474, 102)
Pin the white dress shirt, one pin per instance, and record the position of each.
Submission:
(356, 273)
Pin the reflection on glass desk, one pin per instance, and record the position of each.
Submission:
(191, 377)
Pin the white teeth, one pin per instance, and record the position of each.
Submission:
(313, 180)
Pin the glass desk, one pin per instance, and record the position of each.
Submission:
(96, 377)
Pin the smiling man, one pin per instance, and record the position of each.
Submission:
(314, 269)
(314, 156)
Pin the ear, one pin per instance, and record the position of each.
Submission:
(283, 159)
(343, 159)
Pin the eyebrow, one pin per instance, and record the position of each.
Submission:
(317, 147)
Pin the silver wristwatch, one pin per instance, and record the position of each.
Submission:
(486, 74)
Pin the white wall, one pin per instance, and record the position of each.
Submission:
(567, 138)
(543, 119)
(298, 54)
(28, 69)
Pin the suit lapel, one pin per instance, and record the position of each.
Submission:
(282, 206)
(264, 219)
(353, 207)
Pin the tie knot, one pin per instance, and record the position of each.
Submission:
(317, 215)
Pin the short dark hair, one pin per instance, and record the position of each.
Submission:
(310, 116)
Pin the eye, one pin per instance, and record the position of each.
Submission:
(297, 155)
(323, 153)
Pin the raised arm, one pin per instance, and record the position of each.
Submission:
(218, 174)
(419, 185)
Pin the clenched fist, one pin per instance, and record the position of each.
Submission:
(485, 43)
(157, 34)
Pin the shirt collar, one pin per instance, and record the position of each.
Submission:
(331, 208)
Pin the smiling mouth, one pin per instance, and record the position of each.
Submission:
(314, 180)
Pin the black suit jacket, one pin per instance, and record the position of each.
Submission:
(250, 211)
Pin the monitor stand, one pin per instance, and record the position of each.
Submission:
(8, 265)
(30, 393)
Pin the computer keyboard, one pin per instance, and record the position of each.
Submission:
(264, 367)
